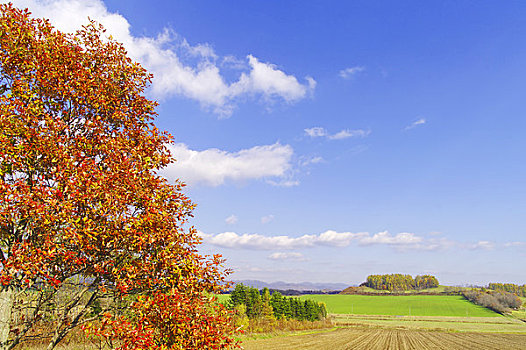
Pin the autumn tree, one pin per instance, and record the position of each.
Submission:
(267, 311)
(86, 223)
(398, 282)
(519, 290)
(425, 281)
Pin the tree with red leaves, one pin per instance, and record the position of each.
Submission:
(86, 223)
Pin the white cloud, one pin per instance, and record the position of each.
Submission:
(214, 167)
(343, 134)
(287, 256)
(327, 238)
(485, 245)
(340, 135)
(339, 239)
(257, 241)
(347, 73)
(199, 50)
(349, 133)
(266, 219)
(385, 237)
(266, 79)
(310, 160)
(403, 241)
(416, 123)
(233, 62)
(316, 132)
(231, 220)
(312, 83)
(284, 183)
(437, 244)
(200, 80)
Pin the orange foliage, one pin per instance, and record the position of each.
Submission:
(80, 194)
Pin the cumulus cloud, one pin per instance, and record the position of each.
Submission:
(214, 167)
(199, 79)
(348, 73)
(416, 123)
(266, 79)
(327, 238)
(231, 220)
(266, 219)
(343, 134)
(287, 256)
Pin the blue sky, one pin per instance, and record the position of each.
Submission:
(326, 141)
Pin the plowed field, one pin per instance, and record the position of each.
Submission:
(390, 339)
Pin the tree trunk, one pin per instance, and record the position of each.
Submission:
(7, 297)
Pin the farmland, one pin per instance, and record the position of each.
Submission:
(442, 323)
(410, 305)
(365, 338)
(403, 322)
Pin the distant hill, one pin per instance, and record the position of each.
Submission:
(303, 286)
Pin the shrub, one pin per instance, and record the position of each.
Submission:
(500, 302)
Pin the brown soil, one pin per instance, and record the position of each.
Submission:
(362, 338)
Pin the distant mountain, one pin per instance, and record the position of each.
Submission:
(295, 286)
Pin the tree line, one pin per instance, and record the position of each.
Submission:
(509, 287)
(400, 282)
(256, 304)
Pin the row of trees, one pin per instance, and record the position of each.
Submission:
(400, 282)
(519, 290)
(497, 301)
(261, 304)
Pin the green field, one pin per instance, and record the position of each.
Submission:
(446, 313)
(411, 305)
(222, 298)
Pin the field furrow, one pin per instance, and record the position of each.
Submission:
(392, 339)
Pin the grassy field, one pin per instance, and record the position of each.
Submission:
(366, 338)
(520, 314)
(397, 305)
(411, 305)
(506, 325)
(222, 297)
